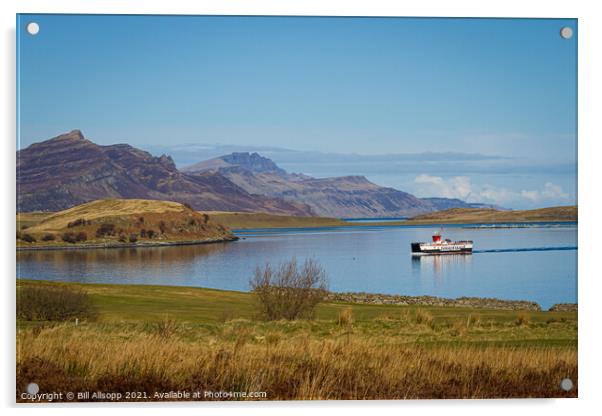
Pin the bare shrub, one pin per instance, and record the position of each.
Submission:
(53, 303)
(69, 237)
(151, 233)
(423, 317)
(78, 222)
(345, 318)
(522, 318)
(165, 328)
(28, 238)
(105, 229)
(290, 292)
(123, 238)
(48, 237)
(133, 238)
(162, 226)
(81, 236)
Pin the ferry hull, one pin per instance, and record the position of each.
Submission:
(422, 249)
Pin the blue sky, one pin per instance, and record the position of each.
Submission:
(323, 96)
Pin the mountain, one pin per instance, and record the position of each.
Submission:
(253, 162)
(340, 197)
(440, 204)
(69, 170)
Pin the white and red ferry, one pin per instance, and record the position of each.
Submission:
(439, 246)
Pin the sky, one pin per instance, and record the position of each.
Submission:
(479, 109)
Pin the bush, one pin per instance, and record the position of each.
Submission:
(423, 317)
(49, 303)
(522, 318)
(105, 229)
(123, 238)
(28, 238)
(133, 238)
(48, 237)
(69, 237)
(81, 236)
(165, 328)
(78, 222)
(289, 292)
(151, 233)
(345, 318)
(162, 227)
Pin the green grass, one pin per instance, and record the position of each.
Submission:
(208, 309)
(158, 338)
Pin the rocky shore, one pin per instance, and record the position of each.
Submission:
(564, 307)
(467, 302)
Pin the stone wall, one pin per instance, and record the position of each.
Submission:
(468, 302)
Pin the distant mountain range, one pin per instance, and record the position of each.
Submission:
(68, 170)
(339, 197)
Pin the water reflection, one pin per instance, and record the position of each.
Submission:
(128, 257)
(437, 266)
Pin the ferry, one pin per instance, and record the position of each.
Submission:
(439, 246)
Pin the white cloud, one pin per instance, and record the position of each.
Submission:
(550, 191)
(454, 187)
(461, 187)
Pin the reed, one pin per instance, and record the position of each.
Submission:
(97, 357)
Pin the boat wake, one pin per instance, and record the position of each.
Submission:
(513, 250)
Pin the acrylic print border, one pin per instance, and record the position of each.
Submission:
(56, 151)
(585, 235)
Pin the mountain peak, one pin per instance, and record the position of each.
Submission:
(72, 135)
(253, 162)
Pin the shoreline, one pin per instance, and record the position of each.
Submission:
(357, 298)
(471, 225)
(132, 245)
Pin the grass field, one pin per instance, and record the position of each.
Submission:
(479, 215)
(157, 339)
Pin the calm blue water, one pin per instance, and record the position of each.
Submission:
(537, 263)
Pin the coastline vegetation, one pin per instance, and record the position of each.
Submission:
(159, 339)
(28, 222)
(118, 222)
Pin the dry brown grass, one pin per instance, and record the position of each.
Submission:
(121, 220)
(470, 215)
(90, 358)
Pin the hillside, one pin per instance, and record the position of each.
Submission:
(119, 221)
(69, 170)
(338, 197)
(478, 215)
